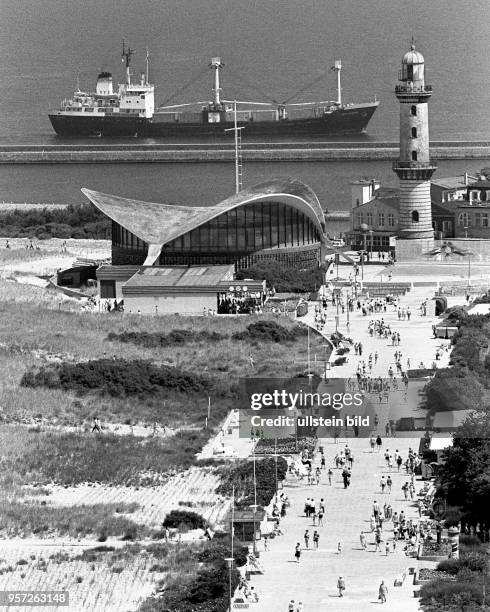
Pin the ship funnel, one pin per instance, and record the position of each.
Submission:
(104, 84)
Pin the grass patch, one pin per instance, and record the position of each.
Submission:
(26, 519)
(73, 458)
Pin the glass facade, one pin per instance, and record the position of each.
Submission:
(231, 237)
(247, 229)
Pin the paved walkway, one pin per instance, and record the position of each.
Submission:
(313, 580)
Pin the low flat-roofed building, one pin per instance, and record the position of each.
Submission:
(188, 290)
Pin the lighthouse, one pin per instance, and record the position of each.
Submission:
(414, 167)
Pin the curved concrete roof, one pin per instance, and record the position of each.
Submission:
(156, 223)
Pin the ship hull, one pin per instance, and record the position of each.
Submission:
(75, 126)
(348, 120)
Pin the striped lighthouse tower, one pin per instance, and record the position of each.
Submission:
(414, 168)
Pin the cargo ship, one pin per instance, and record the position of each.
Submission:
(130, 112)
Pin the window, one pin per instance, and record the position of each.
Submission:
(415, 216)
(360, 218)
(414, 132)
(369, 218)
(414, 155)
(481, 219)
(391, 220)
(381, 219)
(463, 220)
(414, 110)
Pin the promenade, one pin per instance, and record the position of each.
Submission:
(313, 581)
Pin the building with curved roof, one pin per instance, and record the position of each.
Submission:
(277, 219)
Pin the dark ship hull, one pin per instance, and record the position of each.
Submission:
(352, 119)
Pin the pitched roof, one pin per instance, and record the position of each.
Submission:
(158, 223)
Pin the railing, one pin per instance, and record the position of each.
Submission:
(415, 165)
(413, 88)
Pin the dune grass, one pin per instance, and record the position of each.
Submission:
(26, 518)
(27, 327)
(31, 456)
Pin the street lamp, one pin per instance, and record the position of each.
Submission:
(254, 507)
(229, 560)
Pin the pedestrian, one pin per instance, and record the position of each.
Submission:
(377, 541)
(339, 548)
(291, 606)
(389, 483)
(379, 442)
(320, 517)
(297, 552)
(362, 538)
(299, 607)
(387, 548)
(322, 463)
(341, 586)
(382, 484)
(307, 538)
(405, 490)
(266, 543)
(383, 592)
(316, 539)
(399, 462)
(96, 426)
(330, 474)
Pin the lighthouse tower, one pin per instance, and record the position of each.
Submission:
(414, 168)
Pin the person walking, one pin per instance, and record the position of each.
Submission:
(291, 606)
(339, 548)
(96, 426)
(382, 484)
(341, 586)
(362, 538)
(389, 483)
(383, 592)
(379, 443)
(316, 539)
(330, 474)
(297, 552)
(320, 517)
(307, 538)
(377, 541)
(299, 607)
(405, 490)
(387, 548)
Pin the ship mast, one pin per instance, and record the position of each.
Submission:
(147, 66)
(338, 67)
(216, 64)
(126, 57)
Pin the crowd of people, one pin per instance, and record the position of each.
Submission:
(393, 524)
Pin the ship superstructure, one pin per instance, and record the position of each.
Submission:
(106, 112)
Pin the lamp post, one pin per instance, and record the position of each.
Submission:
(229, 560)
(254, 507)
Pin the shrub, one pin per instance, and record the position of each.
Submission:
(270, 331)
(116, 377)
(157, 339)
(177, 518)
(450, 593)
